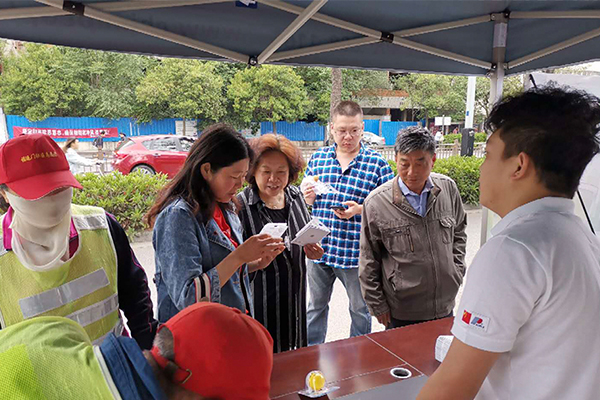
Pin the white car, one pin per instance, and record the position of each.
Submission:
(372, 139)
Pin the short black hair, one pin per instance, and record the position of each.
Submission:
(347, 108)
(414, 138)
(556, 127)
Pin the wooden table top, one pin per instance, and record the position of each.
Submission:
(360, 363)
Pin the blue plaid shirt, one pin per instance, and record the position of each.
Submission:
(366, 172)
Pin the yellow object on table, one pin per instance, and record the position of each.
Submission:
(315, 380)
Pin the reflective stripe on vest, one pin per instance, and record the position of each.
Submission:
(106, 372)
(69, 292)
(50, 358)
(83, 289)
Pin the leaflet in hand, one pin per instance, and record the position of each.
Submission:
(312, 233)
(275, 230)
(320, 188)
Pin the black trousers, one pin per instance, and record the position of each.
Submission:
(399, 323)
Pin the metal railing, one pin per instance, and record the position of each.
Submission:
(444, 150)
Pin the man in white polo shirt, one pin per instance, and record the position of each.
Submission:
(528, 322)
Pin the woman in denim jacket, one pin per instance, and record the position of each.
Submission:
(197, 235)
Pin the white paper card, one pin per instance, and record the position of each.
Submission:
(442, 345)
(312, 232)
(320, 188)
(273, 229)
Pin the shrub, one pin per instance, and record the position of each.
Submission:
(463, 170)
(450, 138)
(127, 197)
(480, 137)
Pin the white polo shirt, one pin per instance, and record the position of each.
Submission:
(533, 294)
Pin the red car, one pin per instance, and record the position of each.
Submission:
(152, 154)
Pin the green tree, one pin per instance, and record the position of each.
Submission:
(434, 95)
(268, 93)
(356, 85)
(113, 78)
(360, 84)
(317, 82)
(187, 89)
(512, 85)
(42, 82)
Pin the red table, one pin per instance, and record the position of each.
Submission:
(360, 363)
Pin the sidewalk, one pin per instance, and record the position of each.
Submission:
(339, 318)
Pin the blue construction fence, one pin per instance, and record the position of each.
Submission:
(295, 131)
(128, 126)
(304, 131)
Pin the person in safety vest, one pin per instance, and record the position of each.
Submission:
(206, 351)
(61, 259)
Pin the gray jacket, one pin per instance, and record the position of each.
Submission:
(410, 265)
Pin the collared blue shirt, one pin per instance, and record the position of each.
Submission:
(130, 371)
(366, 172)
(417, 201)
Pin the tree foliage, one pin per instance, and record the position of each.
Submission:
(512, 85)
(355, 86)
(181, 88)
(113, 79)
(42, 82)
(45, 81)
(268, 93)
(434, 95)
(437, 95)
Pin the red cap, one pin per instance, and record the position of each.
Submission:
(221, 353)
(33, 166)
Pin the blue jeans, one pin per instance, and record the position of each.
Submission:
(321, 278)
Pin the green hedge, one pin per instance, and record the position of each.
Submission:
(450, 138)
(463, 170)
(127, 197)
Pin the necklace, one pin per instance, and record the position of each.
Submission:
(276, 203)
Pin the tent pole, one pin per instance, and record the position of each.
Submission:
(584, 14)
(111, 6)
(298, 23)
(496, 86)
(373, 36)
(553, 49)
(339, 23)
(323, 48)
(93, 13)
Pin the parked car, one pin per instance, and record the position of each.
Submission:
(372, 139)
(152, 154)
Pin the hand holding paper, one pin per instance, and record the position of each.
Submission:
(312, 233)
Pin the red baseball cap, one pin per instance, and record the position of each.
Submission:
(220, 353)
(33, 166)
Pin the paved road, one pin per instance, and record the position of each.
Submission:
(339, 318)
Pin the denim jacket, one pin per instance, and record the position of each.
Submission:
(186, 254)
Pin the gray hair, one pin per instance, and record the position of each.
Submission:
(164, 342)
(3, 187)
(414, 138)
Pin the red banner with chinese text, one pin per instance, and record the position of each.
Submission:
(57, 133)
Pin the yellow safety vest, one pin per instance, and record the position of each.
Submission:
(84, 289)
(52, 358)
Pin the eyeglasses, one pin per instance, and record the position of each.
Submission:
(354, 132)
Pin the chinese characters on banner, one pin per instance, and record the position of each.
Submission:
(57, 133)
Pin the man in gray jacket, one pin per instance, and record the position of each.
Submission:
(412, 243)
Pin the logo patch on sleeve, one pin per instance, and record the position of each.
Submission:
(475, 320)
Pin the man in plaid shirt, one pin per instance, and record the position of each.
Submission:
(353, 171)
